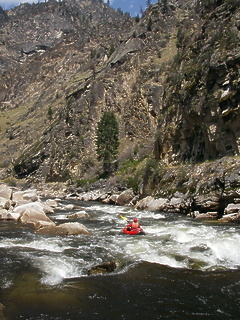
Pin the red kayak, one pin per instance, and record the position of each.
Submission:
(128, 230)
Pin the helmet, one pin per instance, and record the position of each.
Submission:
(135, 220)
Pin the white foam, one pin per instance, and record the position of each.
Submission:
(53, 245)
(55, 269)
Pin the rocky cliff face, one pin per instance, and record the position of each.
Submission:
(200, 112)
(172, 80)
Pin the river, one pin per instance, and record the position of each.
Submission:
(181, 269)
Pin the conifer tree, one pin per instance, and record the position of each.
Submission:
(149, 25)
(107, 140)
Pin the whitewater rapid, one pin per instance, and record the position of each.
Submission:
(171, 240)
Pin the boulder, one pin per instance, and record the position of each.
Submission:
(75, 228)
(35, 206)
(143, 203)
(46, 208)
(194, 214)
(208, 202)
(180, 203)
(151, 204)
(19, 203)
(70, 228)
(158, 204)
(35, 218)
(134, 201)
(86, 196)
(31, 196)
(3, 213)
(52, 230)
(42, 223)
(8, 215)
(112, 199)
(207, 215)
(5, 203)
(52, 203)
(125, 197)
(103, 197)
(18, 195)
(234, 217)
(232, 184)
(232, 208)
(5, 192)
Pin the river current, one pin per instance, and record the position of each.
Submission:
(181, 269)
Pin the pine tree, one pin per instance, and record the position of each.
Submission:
(149, 25)
(107, 140)
(137, 18)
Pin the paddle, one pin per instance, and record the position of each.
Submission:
(124, 218)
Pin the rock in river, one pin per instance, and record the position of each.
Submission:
(70, 228)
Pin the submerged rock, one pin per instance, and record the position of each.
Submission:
(106, 267)
(80, 214)
(2, 307)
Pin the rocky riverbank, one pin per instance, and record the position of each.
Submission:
(26, 207)
(210, 190)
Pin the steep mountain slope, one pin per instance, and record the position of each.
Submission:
(200, 113)
(49, 50)
(174, 75)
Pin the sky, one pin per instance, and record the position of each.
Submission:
(131, 6)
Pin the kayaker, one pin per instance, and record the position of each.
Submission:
(133, 225)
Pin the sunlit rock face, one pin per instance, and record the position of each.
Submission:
(200, 116)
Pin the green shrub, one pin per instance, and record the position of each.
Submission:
(81, 183)
(111, 50)
(128, 164)
(10, 181)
